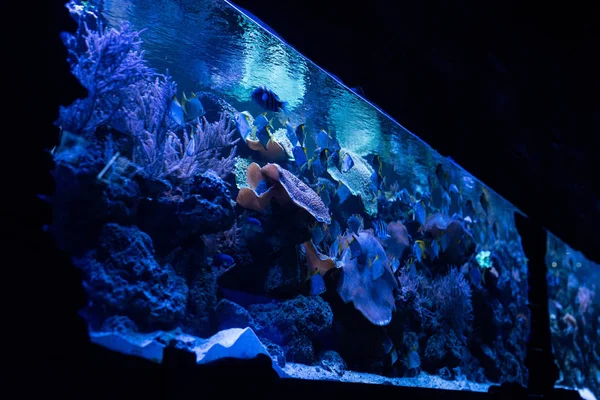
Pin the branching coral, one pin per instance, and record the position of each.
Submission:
(452, 301)
(110, 63)
(201, 150)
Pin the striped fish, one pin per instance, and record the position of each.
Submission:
(267, 99)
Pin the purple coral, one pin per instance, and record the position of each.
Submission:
(373, 298)
(452, 301)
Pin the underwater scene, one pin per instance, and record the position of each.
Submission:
(574, 306)
(223, 194)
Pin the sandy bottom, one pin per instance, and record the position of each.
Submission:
(423, 380)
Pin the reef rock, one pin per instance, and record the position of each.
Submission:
(123, 278)
(293, 324)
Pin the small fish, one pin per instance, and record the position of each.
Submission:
(253, 221)
(342, 193)
(300, 134)
(300, 156)
(261, 187)
(322, 139)
(355, 249)
(245, 124)
(347, 163)
(261, 122)
(264, 136)
(418, 249)
(317, 234)
(414, 361)
(355, 223)
(318, 163)
(469, 210)
(324, 194)
(381, 229)
(445, 242)
(377, 267)
(192, 107)
(177, 111)
(221, 260)
(454, 189)
(434, 250)
(443, 176)
(317, 285)
(334, 229)
(446, 203)
(291, 133)
(377, 181)
(377, 164)
(395, 264)
(484, 201)
(334, 249)
(420, 213)
(267, 99)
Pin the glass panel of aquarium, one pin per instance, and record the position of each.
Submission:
(574, 306)
(221, 193)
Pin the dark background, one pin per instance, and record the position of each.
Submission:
(508, 89)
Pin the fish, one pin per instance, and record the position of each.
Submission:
(469, 210)
(322, 139)
(445, 203)
(377, 164)
(324, 194)
(347, 163)
(245, 124)
(317, 234)
(300, 134)
(445, 242)
(419, 250)
(192, 107)
(264, 136)
(334, 249)
(290, 132)
(300, 156)
(221, 260)
(261, 122)
(342, 193)
(334, 229)
(453, 189)
(355, 223)
(434, 250)
(355, 249)
(253, 221)
(420, 213)
(395, 264)
(261, 187)
(177, 111)
(267, 99)
(318, 163)
(334, 159)
(443, 176)
(377, 267)
(381, 229)
(485, 202)
(317, 285)
(413, 361)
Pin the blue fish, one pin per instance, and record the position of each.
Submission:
(381, 229)
(317, 234)
(334, 229)
(355, 223)
(395, 264)
(322, 139)
(267, 99)
(355, 249)
(334, 248)
(445, 203)
(418, 251)
(324, 194)
(300, 156)
(245, 124)
(335, 160)
(317, 285)
(377, 181)
(377, 268)
(221, 260)
(264, 136)
(434, 250)
(420, 213)
(347, 163)
(177, 111)
(253, 221)
(262, 122)
(300, 134)
(261, 187)
(414, 361)
(343, 193)
(291, 133)
(192, 107)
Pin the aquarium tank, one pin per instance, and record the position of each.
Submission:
(574, 307)
(224, 195)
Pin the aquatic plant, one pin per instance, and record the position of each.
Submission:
(451, 296)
